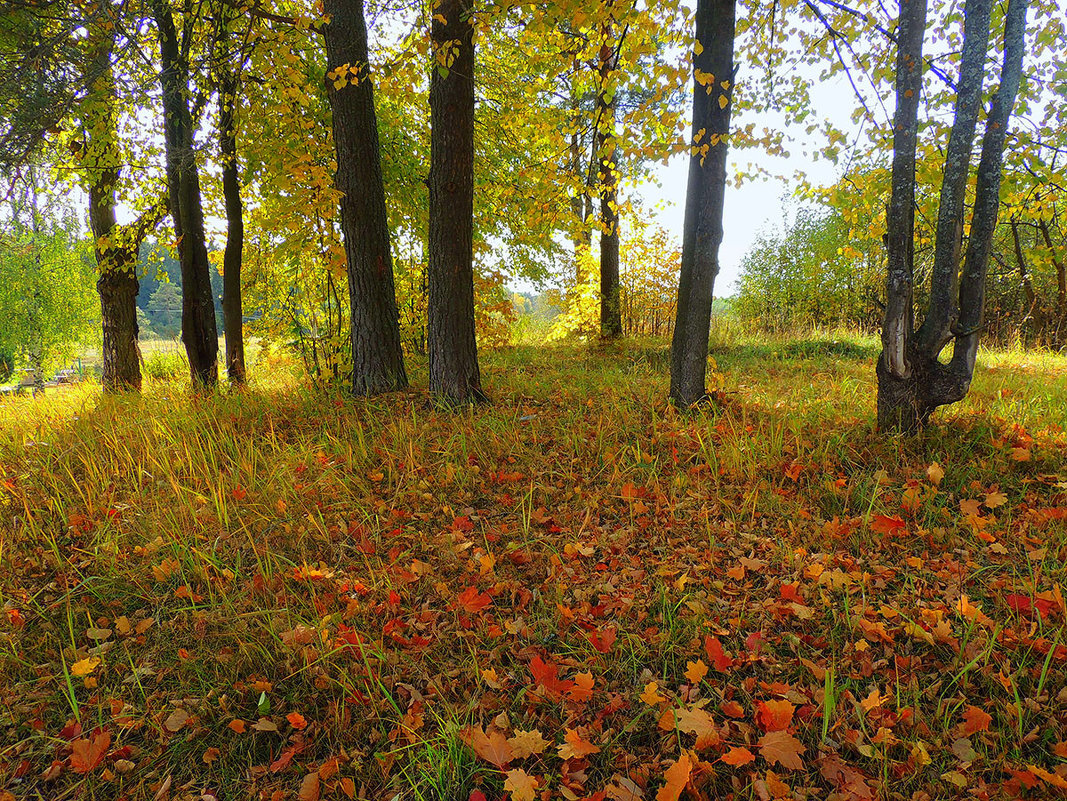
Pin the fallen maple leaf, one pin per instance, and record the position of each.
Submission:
(527, 743)
(736, 757)
(582, 691)
(83, 667)
(493, 746)
(774, 715)
(886, 525)
(521, 785)
(86, 754)
(975, 720)
(576, 747)
(675, 779)
(782, 748)
(935, 473)
(719, 660)
(546, 675)
(699, 722)
(650, 695)
(473, 601)
(696, 671)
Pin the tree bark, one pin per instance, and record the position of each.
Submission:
(912, 382)
(199, 331)
(232, 307)
(705, 196)
(377, 355)
(936, 331)
(608, 178)
(454, 373)
(1061, 283)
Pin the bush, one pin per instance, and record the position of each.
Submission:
(166, 365)
(7, 365)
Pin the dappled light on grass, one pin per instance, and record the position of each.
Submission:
(573, 590)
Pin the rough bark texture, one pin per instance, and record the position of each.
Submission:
(702, 228)
(199, 331)
(608, 179)
(454, 373)
(912, 382)
(232, 307)
(116, 248)
(377, 355)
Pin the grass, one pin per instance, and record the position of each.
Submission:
(286, 567)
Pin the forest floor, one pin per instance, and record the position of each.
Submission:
(573, 592)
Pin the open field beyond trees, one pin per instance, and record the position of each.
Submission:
(573, 592)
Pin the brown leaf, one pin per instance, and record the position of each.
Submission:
(87, 754)
(975, 720)
(492, 747)
(782, 748)
(309, 788)
(176, 720)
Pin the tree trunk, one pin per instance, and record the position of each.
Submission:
(116, 257)
(608, 179)
(912, 382)
(199, 332)
(702, 228)
(377, 355)
(454, 373)
(1034, 312)
(1061, 283)
(232, 307)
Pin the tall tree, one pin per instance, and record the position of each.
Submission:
(608, 171)
(713, 76)
(229, 62)
(912, 381)
(377, 356)
(199, 332)
(454, 373)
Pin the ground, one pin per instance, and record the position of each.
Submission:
(573, 592)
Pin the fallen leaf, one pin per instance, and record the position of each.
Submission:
(737, 757)
(176, 720)
(86, 754)
(521, 785)
(83, 667)
(473, 601)
(675, 779)
(782, 748)
(296, 720)
(935, 473)
(576, 747)
(650, 695)
(309, 788)
(493, 746)
(975, 720)
(237, 726)
(696, 671)
(774, 715)
(582, 691)
(719, 659)
(210, 755)
(527, 743)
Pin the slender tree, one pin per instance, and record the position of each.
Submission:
(454, 373)
(912, 380)
(227, 85)
(713, 76)
(377, 356)
(608, 174)
(199, 332)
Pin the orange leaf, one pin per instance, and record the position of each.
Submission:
(473, 601)
(650, 695)
(1050, 778)
(237, 725)
(309, 788)
(886, 525)
(975, 720)
(87, 754)
(696, 671)
(774, 715)
(675, 779)
(575, 746)
(582, 691)
(296, 720)
(738, 757)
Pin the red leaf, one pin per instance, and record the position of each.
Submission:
(603, 640)
(546, 674)
(719, 660)
(1019, 603)
(473, 601)
(886, 525)
(774, 715)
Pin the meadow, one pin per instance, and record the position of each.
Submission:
(573, 592)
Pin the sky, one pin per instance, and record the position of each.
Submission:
(758, 204)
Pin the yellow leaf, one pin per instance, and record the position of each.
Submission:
(83, 667)
(724, 101)
(651, 695)
(521, 785)
(696, 671)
